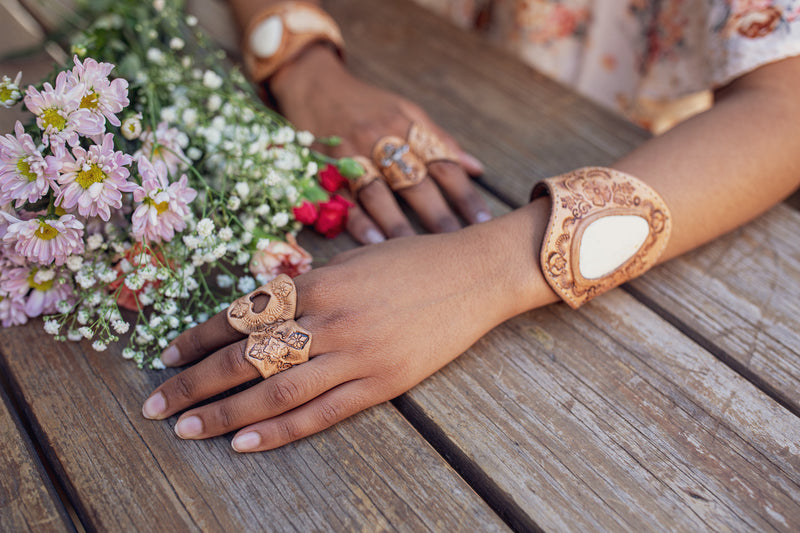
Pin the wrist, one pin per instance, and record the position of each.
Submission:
(507, 249)
(297, 77)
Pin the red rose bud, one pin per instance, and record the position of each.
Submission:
(331, 179)
(332, 216)
(306, 213)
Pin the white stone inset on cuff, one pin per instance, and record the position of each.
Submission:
(266, 38)
(608, 242)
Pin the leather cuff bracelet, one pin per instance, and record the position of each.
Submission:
(605, 228)
(281, 32)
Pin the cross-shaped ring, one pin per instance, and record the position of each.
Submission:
(401, 168)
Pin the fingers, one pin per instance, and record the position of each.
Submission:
(319, 414)
(459, 189)
(223, 370)
(269, 398)
(379, 202)
(431, 207)
(360, 225)
(201, 340)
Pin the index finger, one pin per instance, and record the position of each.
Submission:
(201, 340)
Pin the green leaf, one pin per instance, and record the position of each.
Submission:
(350, 168)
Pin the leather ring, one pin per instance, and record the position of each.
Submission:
(400, 167)
(282, 304)
(428, 146)
(278, 347)
(275, 341)
(371, 173)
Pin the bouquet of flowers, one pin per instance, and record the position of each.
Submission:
(149, 178)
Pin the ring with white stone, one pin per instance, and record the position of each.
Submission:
(280, 32)
(605, 228)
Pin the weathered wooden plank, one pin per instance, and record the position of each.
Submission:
(28, 501)
(623, 428)
(126, 473)
(740, 295)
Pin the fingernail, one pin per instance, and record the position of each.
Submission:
(472, 161)
(374, 236)
(246, 442)
(171, 356)
(189, 427)
(154, 407)
(483, 216)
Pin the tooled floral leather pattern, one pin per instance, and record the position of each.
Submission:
(278, 347)
(281, 306)
(591, 193)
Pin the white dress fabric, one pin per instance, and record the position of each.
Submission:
(635, 56)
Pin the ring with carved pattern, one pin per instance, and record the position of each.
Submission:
(278, 347)
(401, 168)
(281, 305)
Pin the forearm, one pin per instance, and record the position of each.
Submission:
(716, 172)
(728, 165)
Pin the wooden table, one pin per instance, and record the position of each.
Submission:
(669, 404)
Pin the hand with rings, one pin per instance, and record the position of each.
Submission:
(403, 152)
(343, 337)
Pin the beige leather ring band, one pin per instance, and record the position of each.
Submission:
(275, 341)
(428, 146)
(280, 32)
(605, 228)
(371, 173)
(400, 167)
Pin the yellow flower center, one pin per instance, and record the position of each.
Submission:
(24, 169)
(52, 118)
(160, 207)
(89, 101)
(60, 211)
(46, 232)
(43, 286)
(87, 178)
(6, 94)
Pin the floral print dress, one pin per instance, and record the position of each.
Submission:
(640, 57)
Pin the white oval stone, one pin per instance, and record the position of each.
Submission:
(267, 37)
(610, 241)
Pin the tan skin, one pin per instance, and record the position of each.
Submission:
(366, 309)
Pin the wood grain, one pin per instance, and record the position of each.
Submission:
(28, 501)
(609, 419)
(125, 473)
(740, 296)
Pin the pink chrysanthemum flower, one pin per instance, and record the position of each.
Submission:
(163, 206)
(44, 292)
(98, 94)
(46, 241)
(25, 175)
(94, 180)
(12, 311)
(59, 115)
(163, 145)
(14, 280)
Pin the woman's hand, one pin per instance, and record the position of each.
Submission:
(317, 93)
(382, 319)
